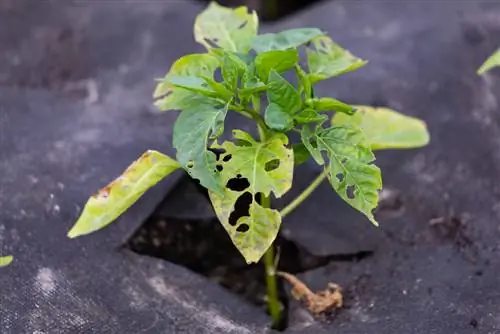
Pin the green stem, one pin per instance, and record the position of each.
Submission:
(272, 287)
(299, 199)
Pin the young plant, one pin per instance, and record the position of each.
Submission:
(252, 170)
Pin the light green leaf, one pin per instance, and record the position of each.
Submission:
(260, 168)
(251, 84)
(327, 59)
(330, 104)
(226, 28)
(282, 93)
(111, 201)
(351, 172)
(492, 62)
(309, 141)
(192, 131)
(308, 116)
(278, 60)
(385, 128)
(194, 84)
(220, 90)
(287, 39)
(169, 97)
(300, 154)
(278, 119)
(5, 260)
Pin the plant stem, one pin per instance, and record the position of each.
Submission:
(304, 194)
(272, 288)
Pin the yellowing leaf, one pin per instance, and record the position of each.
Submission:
(5, 260)
(250, 170)
(385, 128)
(226, 28)
(326, 59)
(111, 201)
(169, 97)
(491, 62)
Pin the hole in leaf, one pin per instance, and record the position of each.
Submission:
(241, 208)
(217, 151)
(212, 42)
(243, 228)
(350, 191)
(238, 183)
(190, 164)
(227, 158)
(218, 74)
(219, 168)
(272, 165)
(258, 198)
(340, 177)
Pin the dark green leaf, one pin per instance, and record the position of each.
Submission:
(192, 131)
(277, 119)
(278, 60)
(308, 116)
(327, 59)
(287, 39)
(282, 93)
(267, 167)
(309, 141)
(351, 172)
(226, 28)
(329, 104)
(300, 154)
(232, 69)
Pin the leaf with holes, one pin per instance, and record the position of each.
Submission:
(279, 61)
(309, 141)
(226, 28)
(351, 172)
(327, 59)
(251, 169)
(194, 66)
(385, 128)
(5, 260)
(292, 38)
(330, 104)
(111, 201)
(492, 62)
(192, 131)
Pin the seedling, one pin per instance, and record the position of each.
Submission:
(252, 170)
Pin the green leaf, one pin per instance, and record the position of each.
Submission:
(278, 60)
(309, 141)
(232, 69)
(492, 62)
(226, 28)
(278, 119)
(300, 154)
(327, 59)
(220, 90)
(282, 93)
(5, 260)
(194, 84)
(385, 128)
(192, 131)
(309, 116)
(251, 84)
(330, 104)
(287, 39)
(260, 168)
(351, 172)
(169, 97)
(111, 201)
